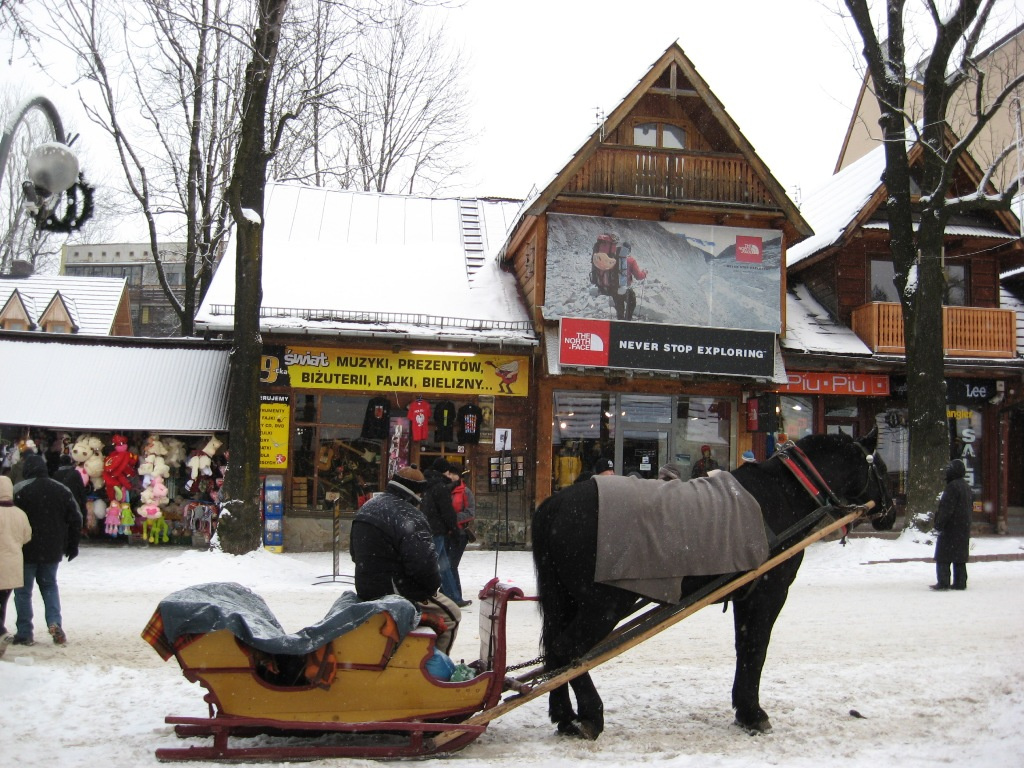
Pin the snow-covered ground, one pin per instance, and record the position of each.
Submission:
(938, 677)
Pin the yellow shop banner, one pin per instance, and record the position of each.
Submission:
(356, 369)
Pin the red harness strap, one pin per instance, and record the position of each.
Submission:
(796, 461)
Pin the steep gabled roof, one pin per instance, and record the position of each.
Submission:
(21, 308)
(92, 302)
(676, 64)
(58, 309)
(852, 198)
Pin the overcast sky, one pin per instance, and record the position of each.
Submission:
(541, 69)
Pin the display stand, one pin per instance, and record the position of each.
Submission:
(335, 576)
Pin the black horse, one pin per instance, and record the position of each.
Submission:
(578, 612)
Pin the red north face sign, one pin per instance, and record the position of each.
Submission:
(749, 249)
(584, 342)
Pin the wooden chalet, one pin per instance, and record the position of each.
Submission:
(672, 181)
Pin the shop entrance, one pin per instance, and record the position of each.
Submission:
(644, 451)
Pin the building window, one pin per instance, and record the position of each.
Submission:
(883, 285)
(663, 135)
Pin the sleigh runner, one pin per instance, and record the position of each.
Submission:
(367, 693)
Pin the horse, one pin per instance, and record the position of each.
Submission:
(577, 612)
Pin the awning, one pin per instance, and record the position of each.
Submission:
(112, 383)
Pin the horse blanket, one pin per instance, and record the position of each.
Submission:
(652, 533)
(225, 605)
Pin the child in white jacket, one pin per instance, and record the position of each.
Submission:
(15, 532)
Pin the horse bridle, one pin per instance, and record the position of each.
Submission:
(803, 469)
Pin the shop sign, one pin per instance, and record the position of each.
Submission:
(965, 426)
(330, 368)
(670, 348)
(975, 391)
(824, 383)
(275, 415)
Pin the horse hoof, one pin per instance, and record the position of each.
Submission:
(762, 725)
(579, 729)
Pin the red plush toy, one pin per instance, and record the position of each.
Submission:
(119, 469)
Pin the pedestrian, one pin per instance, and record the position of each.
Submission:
(705, 464)
(15, 532)
(393, 551)
(953, 526)
(464, 503)
(603, 467)
(56, 529)
(437, 508)
(68, 475)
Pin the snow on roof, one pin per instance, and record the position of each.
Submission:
(353, 263)
(92, 301)
(185, 384)
(810, 328)
(830, 208)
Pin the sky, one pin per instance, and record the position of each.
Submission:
(539, 72)
(938, 678)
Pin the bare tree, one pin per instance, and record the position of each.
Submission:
(921, 151)
(405, 112)
(165, 77)
(239, 530)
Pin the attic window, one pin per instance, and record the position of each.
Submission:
(662, 135)
(57, 327)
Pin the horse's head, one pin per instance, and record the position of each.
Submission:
(855, 472)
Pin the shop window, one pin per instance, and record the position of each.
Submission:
(702, 421)
(331, 462)
(583, 429)
(796, 416)
(841, 415)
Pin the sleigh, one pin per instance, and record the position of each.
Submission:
(368, 692)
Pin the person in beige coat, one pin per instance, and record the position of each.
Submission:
(15, 532)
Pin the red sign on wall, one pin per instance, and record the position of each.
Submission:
(749, 249)
(819, 383)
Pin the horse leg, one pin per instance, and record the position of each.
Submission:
(592, 622)
(754, 617)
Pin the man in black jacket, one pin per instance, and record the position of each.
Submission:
(393, 552)
(56, 524)
(953, 525)
(437, 508)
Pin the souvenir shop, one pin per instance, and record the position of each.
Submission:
(337, 422)
(145, 457)
(139, 487)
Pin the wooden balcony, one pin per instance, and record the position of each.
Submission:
(966, 331)
(675, 175)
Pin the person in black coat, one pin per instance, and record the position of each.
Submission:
(953, 526)
(393, 552)
(437, 508)
(67, 474)
(56, 524)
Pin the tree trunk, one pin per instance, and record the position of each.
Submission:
(240, 530)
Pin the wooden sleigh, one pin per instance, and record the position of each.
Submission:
(368, 696)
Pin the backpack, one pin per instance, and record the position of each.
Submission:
(462, 515)
(604, 264)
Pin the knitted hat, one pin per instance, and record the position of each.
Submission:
(442, 466)
(603, 465)
(705, 448)
(749, 456)
(410, 478)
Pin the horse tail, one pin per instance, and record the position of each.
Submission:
(552, 595)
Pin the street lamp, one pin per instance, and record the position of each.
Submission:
(38, 171)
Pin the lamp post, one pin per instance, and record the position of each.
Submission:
(38, 172)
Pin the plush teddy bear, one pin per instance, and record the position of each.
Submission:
(87, 453)
(119, 469)
(175, 455)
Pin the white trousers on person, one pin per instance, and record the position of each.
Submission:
(446, 609)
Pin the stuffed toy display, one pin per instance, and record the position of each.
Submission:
(87, 453)
(119, 469)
